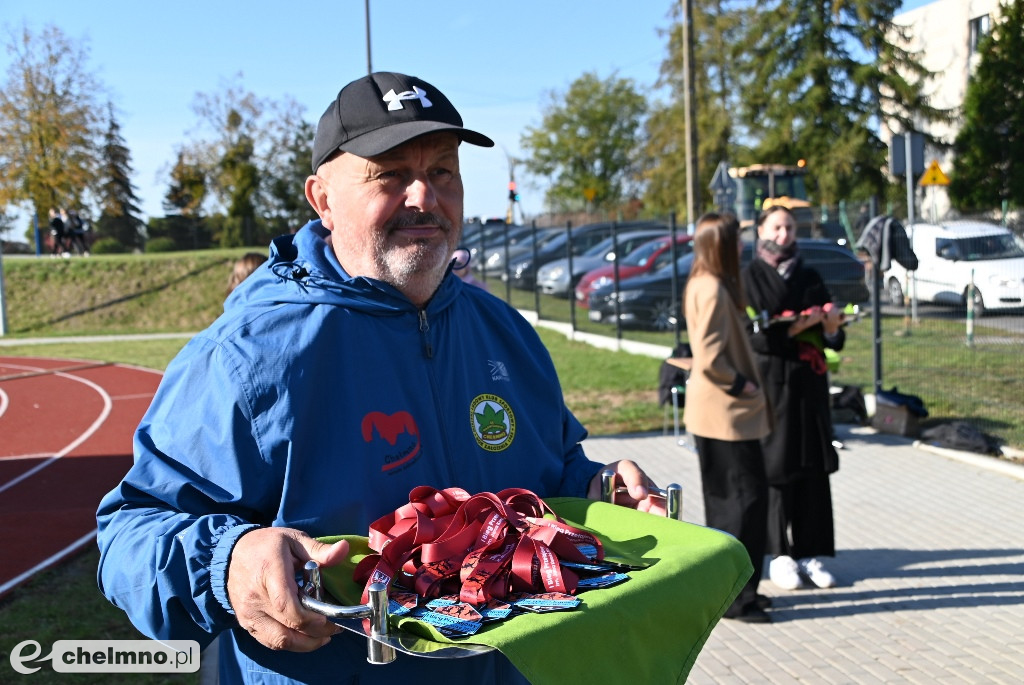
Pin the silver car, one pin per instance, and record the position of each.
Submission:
(553, 278)
(493, 263)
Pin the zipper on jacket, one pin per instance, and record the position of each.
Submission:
(428, 351)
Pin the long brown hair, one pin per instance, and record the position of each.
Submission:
(244, 266)
(716, 244)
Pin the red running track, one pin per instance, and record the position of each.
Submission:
(66, 431)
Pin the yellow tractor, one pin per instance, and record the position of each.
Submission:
(760, 186)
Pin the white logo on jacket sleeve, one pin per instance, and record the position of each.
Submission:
(394, 99)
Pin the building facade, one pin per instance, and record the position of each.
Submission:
(945, 34)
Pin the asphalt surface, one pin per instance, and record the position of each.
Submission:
(930, 564)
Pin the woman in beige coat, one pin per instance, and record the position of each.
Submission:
(725, 407)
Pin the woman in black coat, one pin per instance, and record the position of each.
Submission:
(799, 455)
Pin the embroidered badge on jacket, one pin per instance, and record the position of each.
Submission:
(493, 422)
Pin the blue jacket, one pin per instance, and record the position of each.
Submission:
(318, 401)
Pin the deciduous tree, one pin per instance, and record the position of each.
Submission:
(50, 121)
(588, 145)
(718, 27)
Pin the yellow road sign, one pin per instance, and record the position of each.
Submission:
(933, 176)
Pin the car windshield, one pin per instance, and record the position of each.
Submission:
(683, 264)
(641, 255)
(541, 236)
(981, 248)
(600, 249)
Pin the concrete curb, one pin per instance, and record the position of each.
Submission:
(996, 464)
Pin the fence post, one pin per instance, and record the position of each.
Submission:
(615, 272)
(572, 290)
(970, 311)
(876, 324)
(3, 300)
(674, 300)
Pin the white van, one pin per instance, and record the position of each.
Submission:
(947, 254)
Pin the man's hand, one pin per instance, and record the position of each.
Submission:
(832, 319)
(263, 592)
(638, 495)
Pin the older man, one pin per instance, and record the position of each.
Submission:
(347, 370)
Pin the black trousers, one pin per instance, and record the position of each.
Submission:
(800, 518)
(736, 501)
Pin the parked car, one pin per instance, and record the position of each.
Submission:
(496, 257)
(490, 237)
(523, 271)
(648, 302)
(645, 259)
(554, 279)
(948, 254)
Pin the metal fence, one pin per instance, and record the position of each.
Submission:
(963, 367)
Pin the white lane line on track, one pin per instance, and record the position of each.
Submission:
(4, 402)
(84, 540)
(107, 406)
(16, 457)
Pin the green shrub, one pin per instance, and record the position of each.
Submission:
(107, 246)
(160, 245)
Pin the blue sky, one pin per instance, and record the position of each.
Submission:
(495, 60)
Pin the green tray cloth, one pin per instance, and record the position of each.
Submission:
(648, 629)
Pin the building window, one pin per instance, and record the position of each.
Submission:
(979, 28)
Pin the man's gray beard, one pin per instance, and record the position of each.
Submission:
(405, 267)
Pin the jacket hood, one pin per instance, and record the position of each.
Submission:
(303, 269)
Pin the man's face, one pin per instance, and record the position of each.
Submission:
(396, 217)
(778, 227)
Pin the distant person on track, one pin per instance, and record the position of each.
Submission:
(58, 234)
(76, 232)
(350, 374)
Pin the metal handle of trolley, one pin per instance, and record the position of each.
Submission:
(673, 494)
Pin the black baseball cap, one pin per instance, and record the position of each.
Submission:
(381, 111)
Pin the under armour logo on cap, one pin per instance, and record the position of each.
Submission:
(375, 113)
(394, 99)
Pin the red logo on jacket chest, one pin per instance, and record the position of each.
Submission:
(398, 430)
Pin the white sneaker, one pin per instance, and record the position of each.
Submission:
(816, 572)
(784, 572)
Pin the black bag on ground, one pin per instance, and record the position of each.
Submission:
(895, 398)
(848, 406)
(960, 435)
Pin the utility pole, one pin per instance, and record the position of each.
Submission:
(689, 106)
(369, 64)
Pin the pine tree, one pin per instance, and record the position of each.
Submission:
(988, 167)
(817, 76)
(119, 205)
